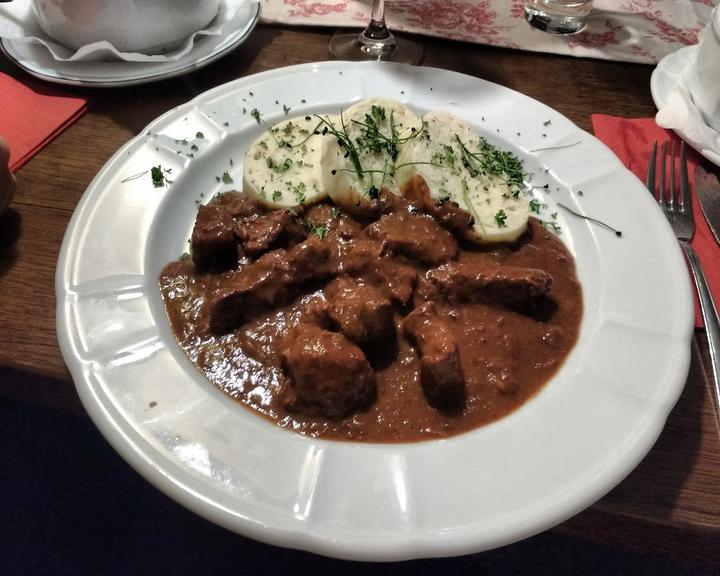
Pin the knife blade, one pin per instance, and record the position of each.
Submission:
(707, 188)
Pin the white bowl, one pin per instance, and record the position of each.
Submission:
(129, 25)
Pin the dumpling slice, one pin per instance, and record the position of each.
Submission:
(359, 159)
(454, 164)
(283, 167)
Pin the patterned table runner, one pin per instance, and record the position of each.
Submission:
(625, 30)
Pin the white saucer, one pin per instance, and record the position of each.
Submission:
(37, 61)
(667, 83)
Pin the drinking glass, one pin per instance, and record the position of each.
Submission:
(376, 42)
(558, 16)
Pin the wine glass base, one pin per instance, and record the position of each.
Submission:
(347, 45)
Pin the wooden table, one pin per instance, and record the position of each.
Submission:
(671, 502)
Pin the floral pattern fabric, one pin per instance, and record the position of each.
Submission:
(625, 30)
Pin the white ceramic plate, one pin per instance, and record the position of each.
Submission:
(37, 60)
(560, 452)
(668, 81)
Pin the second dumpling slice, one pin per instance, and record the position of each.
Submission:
(452, 163)
(360, 160)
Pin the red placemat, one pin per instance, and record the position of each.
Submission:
(632, 140)
(32, 114)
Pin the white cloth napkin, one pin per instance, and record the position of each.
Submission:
(680, 112)
(18, 23)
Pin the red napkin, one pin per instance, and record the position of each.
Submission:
(32, 114)
(632, 140)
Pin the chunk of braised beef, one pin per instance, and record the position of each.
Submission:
(212, 244)
(258, 234)
(416, 236)
(363, 258)
(312, 260)
(334, 222)
(447, 213)
(239, 204)
(387, 202)
(513, 287)
(271, 281)
(441, 375)
(328, 374)
(316, 311)
(360, 310)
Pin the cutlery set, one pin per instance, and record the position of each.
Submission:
(677, 207)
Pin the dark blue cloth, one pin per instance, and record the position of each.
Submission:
(69, 505)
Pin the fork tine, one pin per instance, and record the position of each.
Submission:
(684, 179)
(650, 176)
(671, 203)
(661, 192)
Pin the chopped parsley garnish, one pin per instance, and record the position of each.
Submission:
(276, 195)
(550, 225)
(535, 206)
(500, 218)
(279, 168)
(199, 135)
(286, 109)
(255, 113)
(157, 173)
(226, 178)
(491, 160)
(445, 157)
(320, 230)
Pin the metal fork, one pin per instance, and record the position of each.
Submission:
(679, 213)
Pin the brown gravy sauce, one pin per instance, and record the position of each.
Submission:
(506, 357)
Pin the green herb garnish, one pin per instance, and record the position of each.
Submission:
(500, 218)
(157, 173)
(320, 230)
(618, 233)
(226, 178)
(279, 168)
(491, 160)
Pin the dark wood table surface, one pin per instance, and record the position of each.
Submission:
(669, 504)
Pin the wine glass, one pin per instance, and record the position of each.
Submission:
(376, 42)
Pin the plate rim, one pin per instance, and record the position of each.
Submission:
(446, 544)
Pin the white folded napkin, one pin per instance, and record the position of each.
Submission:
(681, 113)
(18, 23)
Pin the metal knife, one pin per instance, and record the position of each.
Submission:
(707, 188)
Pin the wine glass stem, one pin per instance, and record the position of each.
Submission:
(377, 30)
